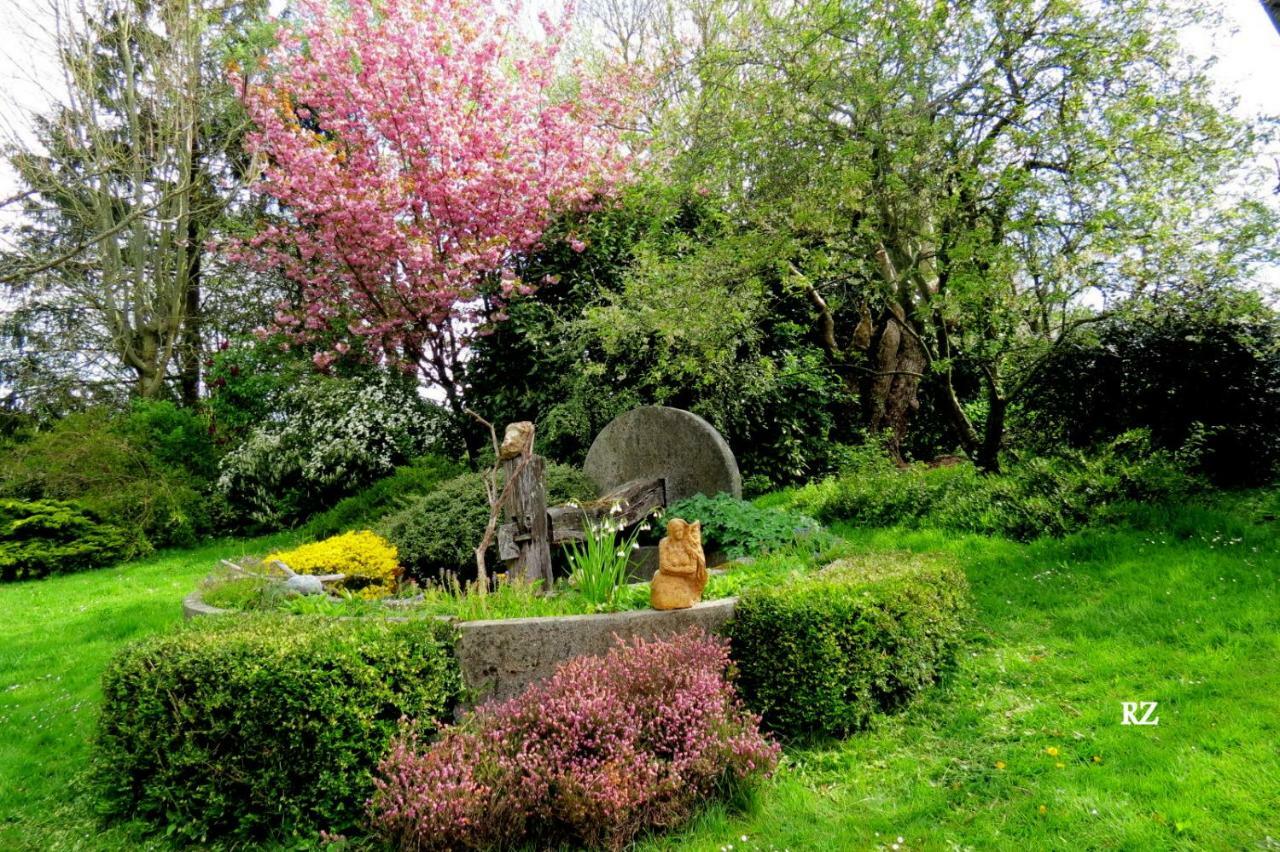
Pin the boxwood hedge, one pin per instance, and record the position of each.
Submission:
(820, 655)
(246, 728)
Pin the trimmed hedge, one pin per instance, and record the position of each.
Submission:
(820, 655)
(43, 537)
(256, 727)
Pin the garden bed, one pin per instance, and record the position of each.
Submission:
(500, 656)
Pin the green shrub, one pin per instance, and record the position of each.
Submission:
(366, 508)
(738, 528)
(254, 726)
(122, 468)
(437, 533)
(43, 537)
(1044, 495)
(820, 655)
(329, 438)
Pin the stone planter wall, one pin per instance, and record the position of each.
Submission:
(500, 657)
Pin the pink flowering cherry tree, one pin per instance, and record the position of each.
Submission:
(412, 149)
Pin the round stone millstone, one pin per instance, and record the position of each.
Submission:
(654, 441)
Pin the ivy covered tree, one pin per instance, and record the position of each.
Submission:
(414, 150)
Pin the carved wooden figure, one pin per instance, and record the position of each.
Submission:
(682, 567)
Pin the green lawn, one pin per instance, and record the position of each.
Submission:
(1183, 609)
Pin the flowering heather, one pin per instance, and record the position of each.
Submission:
(607, 747)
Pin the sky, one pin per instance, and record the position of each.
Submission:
(1248, 66)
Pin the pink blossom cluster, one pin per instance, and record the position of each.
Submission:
(412, 148)
(607, 747)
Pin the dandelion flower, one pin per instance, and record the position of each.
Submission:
(1044, 809)
(1052, 751)
(1000, 764)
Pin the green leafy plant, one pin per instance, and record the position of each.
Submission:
(371, 505)
(240, 729)
(738, 528)
(126, 469)
(1044, 495)
(43, 537)
(436, 534)
(599, 563)
(820, 655)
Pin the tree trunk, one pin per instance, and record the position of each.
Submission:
(890, 391)
(993, 435)
(192, 344)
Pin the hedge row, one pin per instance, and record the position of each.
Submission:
(247, 727)
(821, 654)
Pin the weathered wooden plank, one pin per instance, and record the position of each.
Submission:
(507, 550)
(634, 501)
(537, 556)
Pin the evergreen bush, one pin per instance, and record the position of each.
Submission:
(43, 537)
(244, 728)
(820, 655)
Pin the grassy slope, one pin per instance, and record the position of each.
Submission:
(56, 636)
(1186, 613)
(1184, 610)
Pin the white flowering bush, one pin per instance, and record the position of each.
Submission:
(331, 437)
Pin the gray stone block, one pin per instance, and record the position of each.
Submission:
(499, 658)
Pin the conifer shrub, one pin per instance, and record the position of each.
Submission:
(43, 537)
(366, 558)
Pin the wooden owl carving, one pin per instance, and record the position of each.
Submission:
(682, 567)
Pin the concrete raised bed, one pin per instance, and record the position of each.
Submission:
(500, 657)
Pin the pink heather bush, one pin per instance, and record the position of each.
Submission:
(605, 748)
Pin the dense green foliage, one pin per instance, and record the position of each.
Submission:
(1203, 372)
(330, 437)
(1044, 495)
(437, 534)
(367, 507)
(598, 338)
(820, 655)
(737, 528)
(145, 471)
(43, 537)
(253, 727)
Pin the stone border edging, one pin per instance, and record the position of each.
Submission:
(193, 605)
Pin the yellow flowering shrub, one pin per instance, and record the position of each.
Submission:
(368, 560)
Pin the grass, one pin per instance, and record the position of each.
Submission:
(1183, 608)
(56, 637)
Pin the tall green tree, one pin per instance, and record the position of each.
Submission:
(131, 174)
(964, 186)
